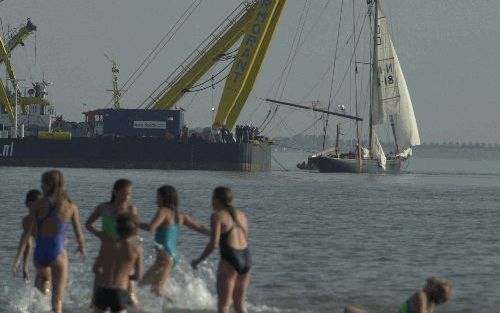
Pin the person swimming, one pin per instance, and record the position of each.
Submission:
(25, 251)
(166, 225)
(108, 212)
(113, 265)
(49, 220)
(229, 230)
(436, 291)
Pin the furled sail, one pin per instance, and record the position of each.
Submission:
(377, 151)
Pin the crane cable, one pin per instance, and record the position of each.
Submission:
(153, 54)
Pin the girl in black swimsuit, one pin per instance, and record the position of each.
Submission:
(229, 230)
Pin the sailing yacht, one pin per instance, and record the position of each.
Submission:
(390, 105)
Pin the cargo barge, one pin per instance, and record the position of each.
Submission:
(134, 153)
(134, 139)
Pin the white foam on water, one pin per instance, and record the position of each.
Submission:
(26, 299)
(190, 290)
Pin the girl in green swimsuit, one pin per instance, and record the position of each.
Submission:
(108, 212)
(166, 225)
(436, 291)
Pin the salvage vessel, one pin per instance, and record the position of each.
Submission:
(152, 136)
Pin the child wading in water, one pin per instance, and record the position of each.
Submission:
(116, 260)
(49, 220)
(166, 224)
(26, 250)
(108, 212)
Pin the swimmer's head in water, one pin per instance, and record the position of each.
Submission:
(32, 196)
(167, 197)
(126, 226)
(53, 184)
(438, 289)
(122, 190)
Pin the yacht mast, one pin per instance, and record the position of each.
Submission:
(374, 76)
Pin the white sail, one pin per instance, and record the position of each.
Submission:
(391, 97)
(385, 92)
(405, 123)
(377, 151)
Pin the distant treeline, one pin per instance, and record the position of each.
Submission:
(314, 143)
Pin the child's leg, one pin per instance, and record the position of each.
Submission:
(43, 279)
(59, 269)
(167, 263)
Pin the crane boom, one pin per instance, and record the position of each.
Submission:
(256, 23)
(254, 70)
(5, 51)
(204, 59)
(22, 34)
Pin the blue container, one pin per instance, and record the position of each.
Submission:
(142, 123)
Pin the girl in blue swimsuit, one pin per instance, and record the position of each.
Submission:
(166, 225)
(50, 218)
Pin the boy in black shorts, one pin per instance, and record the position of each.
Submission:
(115, 262)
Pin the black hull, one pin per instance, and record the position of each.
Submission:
(337, 165)
(134, 153)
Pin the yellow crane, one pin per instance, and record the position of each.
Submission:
(116, 91)
(5, 51)
(254, 22)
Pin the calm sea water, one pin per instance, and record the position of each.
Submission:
(319, 241)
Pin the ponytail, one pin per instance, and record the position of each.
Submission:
(225, 196)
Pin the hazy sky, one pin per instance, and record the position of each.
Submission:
(449, 50)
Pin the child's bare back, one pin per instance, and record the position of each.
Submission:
(115, 262)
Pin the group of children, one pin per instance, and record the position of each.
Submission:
(119, 264)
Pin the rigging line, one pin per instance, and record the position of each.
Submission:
(208, 87)
(297, 49)
(333, 73)
(350, 62)
(296, 44)
(293, 46)
(162, 47)
(211, 79)
(318, 20)
(157, 46)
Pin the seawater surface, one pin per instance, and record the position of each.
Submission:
(319, 241)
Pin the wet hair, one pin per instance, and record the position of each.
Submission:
(119, 185)
(33, 195)
(126, 225)
(438, 289)
(225, 196)
(169, 197)
(54, 179)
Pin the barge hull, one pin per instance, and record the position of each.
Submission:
(134, 153)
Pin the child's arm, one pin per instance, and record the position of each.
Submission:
(75, 219)
(194, 225)
(26, 257)
(89, 224)
(23, 243)
(155, 222)
(138, 266)
(215, 231)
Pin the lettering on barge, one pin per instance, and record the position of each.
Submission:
(150, 124)
(7, 150)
